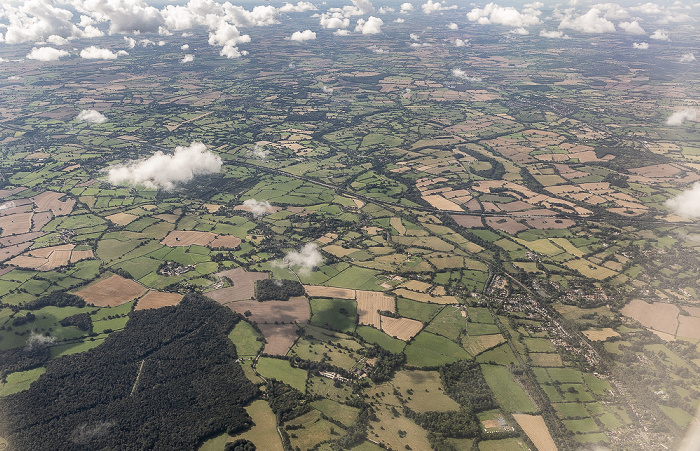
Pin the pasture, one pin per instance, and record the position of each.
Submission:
(509, 393)
(336, 314)
(281, 370)
(245, 338)
(423, 391)
(428, 349)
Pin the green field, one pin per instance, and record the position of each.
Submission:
(500, 355)
(339, 412)
(428, 349)
(282, 371)
(336, 314)
(423, 391)
(246, 339)
(372, 335)
(449, 323)
(509, 393)
(421, 311)
(19, 381)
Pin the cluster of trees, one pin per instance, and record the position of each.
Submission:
(286, 402)
(386, 365)
(278, 290)
(82, 321)
(465, 383)
(167, 381)
(55, 299)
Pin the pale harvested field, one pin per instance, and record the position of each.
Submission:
(600, 335)
(398, 225)
(545, 359)
(295, 310)
(658, 316)
(468, 221)
(475, 345)
(158, 299)
(49, 201)
(368, 302)
(536, 429)
(15, 224)
(401, 328)
(243, 285)
(441, 203)
(319, 291)
(416, 285)
(226, 242)
(48, 258)
(280, 337)
(187, 238)
(339, 251)
(688, 327)
(121, 218)
(424, 297)
(13, 250)
(694, 311)
(112, 291)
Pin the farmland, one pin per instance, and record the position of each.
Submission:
(481, 224)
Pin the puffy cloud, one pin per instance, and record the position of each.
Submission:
(334, 20)
(687, 203)
(162, 171)
(46, 54)
(327, 89)
(612, 11)
(229, 37)
(298, 8)
(399, 20)
(365, 6)
(185, 47)
(632, 27)
(124, 16)
(459, 73)
(677, 118)
(460, 42)
(504, 15)
(376, 49)
(38, 341)
(36, 21)
(430, 6)
(640, 45)
(92, 116)
(341, 32)
(306, 259)
(553, 34)
(406, 7)
(660, 35)
(92, 32)
(57, 40)
(257, 207)
(591, 22)
(130, 42)
(97, 53)
(648, 8)
(385, 10)
(370, 26)
(687, 58)
(662, 15)
(260, 152)
(187, 58)
(306, 35)
(414, 36)
(7, 205)
(452, 26)
(521, 31)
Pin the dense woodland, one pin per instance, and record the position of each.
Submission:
(277, 290)
(166, 382)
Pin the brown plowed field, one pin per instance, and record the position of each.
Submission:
(280, 337)
(295, 310)
(112, 291)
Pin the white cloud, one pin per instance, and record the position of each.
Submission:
(334, 20)
(640, 45)
(370, 26)
(365, 6)
(97, 53)
(92, 116)
(257, 207)
(7, 205)
(385, 10)
(376, 49)
(92, 32)
(414, 36)
(162, 171)
(687, 203)
(36, 21)
(306, 35)
(406, 7)
(660, 35)
(187, 58)
(612, 11)
(553, 34)
(341, 32)
(306, 259)
(632, 27)
(461, 42)
(185, 47)
(521, 31)
(260, 152)
(327, 89)
(399, 20)
(459, 73)
(124, 16)
(453, 26)
(687, 58)
(38, 340)
(46, 54)
(57, 40)
(504, 15)
(130, 42)
(298, 8)
(648, 8)
(677, 118)
(430, 6)
(591, 22)
(228, 36)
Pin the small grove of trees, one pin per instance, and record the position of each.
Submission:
(279, 290)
